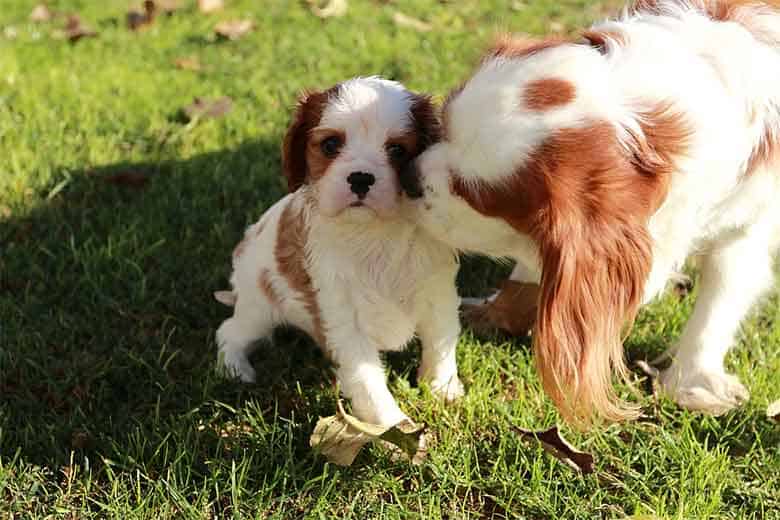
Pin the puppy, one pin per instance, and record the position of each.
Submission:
(600, 165)
(338, 259)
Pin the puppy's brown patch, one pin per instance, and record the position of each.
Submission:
(290, 249)
(548, 93)
(266, 287)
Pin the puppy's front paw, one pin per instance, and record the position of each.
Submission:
(710, 392)
(236, 365)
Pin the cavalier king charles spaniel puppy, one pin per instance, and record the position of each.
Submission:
(339, 259)
(600, 164)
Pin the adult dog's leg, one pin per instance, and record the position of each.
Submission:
(733, 276)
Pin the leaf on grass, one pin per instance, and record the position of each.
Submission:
(340, 437)
(331, 8)
(187, 63)
(773, 410)
(209, 6)
(512, 311)
(41, 13)
(412, 23)
(207, 107)
(233, 29)
(553, 443)
(75, 30)
(131, 179)
(139, 19)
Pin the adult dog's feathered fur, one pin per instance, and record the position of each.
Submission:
(601, 164)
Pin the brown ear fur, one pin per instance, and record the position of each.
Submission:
(308, 113)
(586, 201)
(425, 121)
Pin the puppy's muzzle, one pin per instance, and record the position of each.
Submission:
(410, 181)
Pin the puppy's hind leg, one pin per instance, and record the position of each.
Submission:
(236, 338)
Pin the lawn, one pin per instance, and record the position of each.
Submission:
(117, 218)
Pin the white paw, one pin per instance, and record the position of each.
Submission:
(714, 393)
(236, 364)
(449, 389)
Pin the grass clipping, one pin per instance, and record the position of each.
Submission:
(340, 437)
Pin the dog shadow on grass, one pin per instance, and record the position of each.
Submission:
(107, 316)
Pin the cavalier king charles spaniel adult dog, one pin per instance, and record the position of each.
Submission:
(600, 164)
(337, 257)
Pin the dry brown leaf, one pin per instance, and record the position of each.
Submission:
(75, 30)
(773, 410)
(412, 23)
(330, 8)
(233, 29)
(139, 19)
(553, 443)
(512, 311)
(187, 63)
(207, 107)
(209, 6)
(41, 13)
(131, 179)
(340, 437)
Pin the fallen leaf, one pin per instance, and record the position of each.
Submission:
(131, 179)
(512, 311)
(74, 30)
(233, 29)
(553, 443)
(207, 107)
(209, 6)
(41, 13)
(139, 19)
(330, 9)
(187, 63)
(340, 437)
(412, 23)
(773, 410)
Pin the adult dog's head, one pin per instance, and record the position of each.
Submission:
(349, 143)
(542, 161)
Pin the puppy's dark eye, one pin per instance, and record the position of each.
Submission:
(330, 146)
(396, 152)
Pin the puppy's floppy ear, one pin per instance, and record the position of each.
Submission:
(425, 119)
(308, 113)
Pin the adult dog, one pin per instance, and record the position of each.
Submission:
(600, 165)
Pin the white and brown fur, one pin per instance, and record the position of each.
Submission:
(600, 165)
(341, 262)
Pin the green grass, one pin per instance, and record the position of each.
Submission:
(108, 402)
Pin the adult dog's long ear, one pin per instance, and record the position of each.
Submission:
(597, 253)
(308, 113)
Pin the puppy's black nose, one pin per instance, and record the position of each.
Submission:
(360, 183)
